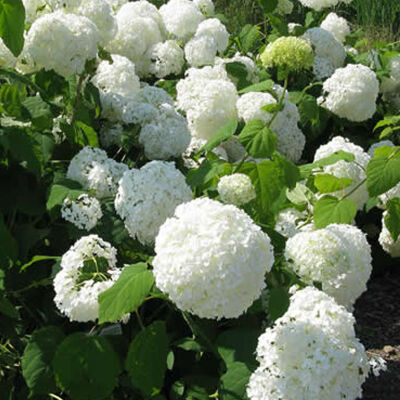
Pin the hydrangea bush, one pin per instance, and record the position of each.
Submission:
(189, 213)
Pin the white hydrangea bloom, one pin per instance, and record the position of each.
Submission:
(310, 353)
(195, 145)
(84, 212)
(167, 58)
(7, 59)
(236, 189)
(116, 4)
(338, 26)
(36, 8)
(214, 28)
(343, 169)
(246, 61)
(292, 26)
(77, 297)
(327, 47)
(181, 17)
(290, 139)
(284, 7)
(338, 256)
(318, 5)
(147, 197)
(94, 170)
(209, 99)
(62, 42)
(377, 364)
(386, 241)
(100, 13)
(118, 84)
(211, 259)
(288, 221)
(200, 51)
(390, 86)
(166, 136)
(351, 92)
(205, 6)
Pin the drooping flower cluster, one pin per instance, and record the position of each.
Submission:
(318, 5)
(88, 268)
(388, 244)
(290, 139)
(343, 169)
(338, 26)
(351, 92)
(236, 189)
(211, 259)
(147, 197)
(84, 212)
(338, 256)
(92, 168)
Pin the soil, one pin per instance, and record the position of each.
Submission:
(377, 313)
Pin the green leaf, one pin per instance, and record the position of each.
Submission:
(86, 367)
(36, 259)
(268, 5)
(8, 248)
(309, 109)
(37, 359)
(340, 155)
(392, 219)
(326, 183)
(61, 190)
(127, 294)
(12, 24)
(222, 135)
(383, 172)
(300, 195)
(248, 37)
(146, 362)
(238, 71)
(278, 302)
(259, 141)
(278, 24)
(331, 210)
(87, 135)
(39, 111)
(10, 99)
(263, 86)
(8, 309)
(234, 381)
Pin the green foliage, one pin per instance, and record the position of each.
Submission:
(278, 302)
(392, 219)
(12, 20)
(326, 183)
(222, 135)
(331, 210)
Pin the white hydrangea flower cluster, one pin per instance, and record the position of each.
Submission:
(311, 353)
(351, 92)
(118, 84)
(7, 59)
(166, 136)
(147, 197)
(181, 18)
(140, 27)
(329, 52)
(77, 297)
(290, 139)
(211, 37)
(211, 259)
(195, 145)
(338, 26)
(236, 189)
(167, 58)
(343, 169)
(390, 86)
(209, 99)
(386, 241)
(62, 42)
(205, 6)
(318, 5)
(116, 4)
(288, 221)
(92, 168)
(84, 212)
(36, 8)
(338, 256)
(246, 61)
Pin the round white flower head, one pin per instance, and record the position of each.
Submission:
(343, 169)
(284, 7)
(246, 61)
(236, 189)
(167, 58)
(181, 17)
(36, 8)
(87, 269)
(338, 26)
(147, 197)
(386, 241)
(7, 59)
(201, 51)
(215, 29)
(101, 14)
(62, 42)
(116, 4)
(390, 86)
(205, 6)
(352, 92)
(195, 145)
(209, 99)
(327, 48)
(211, 259)
(288, 220)
(139, 28)
(94, 170)
(318, 5)
(338, 256)
(166, 136)
(310, 353)
(290, 139)
(84, 212)
(118, 84)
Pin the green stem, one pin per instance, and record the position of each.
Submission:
(76, 99)
(142, 327)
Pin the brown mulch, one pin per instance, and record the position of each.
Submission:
(377, 313)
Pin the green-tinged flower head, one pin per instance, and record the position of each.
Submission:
(289, 53)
